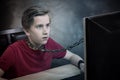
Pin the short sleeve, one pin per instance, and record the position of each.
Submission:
(59, 55)
(53, 45)
(7, 59)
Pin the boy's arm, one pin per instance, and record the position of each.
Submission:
(75, 59)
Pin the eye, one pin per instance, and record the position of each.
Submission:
(48, 24)
(39, 26)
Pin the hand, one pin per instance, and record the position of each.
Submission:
(82, 67)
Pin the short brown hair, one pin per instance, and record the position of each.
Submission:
(30, 13)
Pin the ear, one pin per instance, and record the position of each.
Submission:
(26, 32)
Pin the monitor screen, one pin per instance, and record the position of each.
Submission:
(102, 46)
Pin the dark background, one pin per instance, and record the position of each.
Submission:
(67, 17)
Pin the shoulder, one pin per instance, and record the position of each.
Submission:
(52, 43)
(17, 44)
(15, 47)
(50, 40)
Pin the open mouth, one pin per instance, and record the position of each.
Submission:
(45, 38)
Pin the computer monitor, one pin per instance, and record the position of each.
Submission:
(102, 46)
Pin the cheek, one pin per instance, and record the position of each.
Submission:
(48, 30)
(36, 34)
(35, 37)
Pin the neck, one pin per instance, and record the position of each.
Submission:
(34, 46)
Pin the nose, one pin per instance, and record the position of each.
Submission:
(45, 30)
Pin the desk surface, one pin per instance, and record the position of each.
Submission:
(57, 73)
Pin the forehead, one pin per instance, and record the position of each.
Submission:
(41, 19)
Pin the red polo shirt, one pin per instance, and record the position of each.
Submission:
(19, 60)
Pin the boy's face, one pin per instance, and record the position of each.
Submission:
(39, 31)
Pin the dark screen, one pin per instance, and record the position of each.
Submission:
(102, 41)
